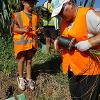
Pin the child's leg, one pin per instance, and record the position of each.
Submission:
(20, 65)
(47, 44)
(29, 68)
(29, 55)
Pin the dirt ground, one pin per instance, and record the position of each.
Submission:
(51, 84)
(48, 87)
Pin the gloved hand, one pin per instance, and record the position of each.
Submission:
(83, 45)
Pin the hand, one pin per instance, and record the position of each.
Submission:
(35, 43)
(56, 45)
(25, 30)
(83, 45)
(40, 30)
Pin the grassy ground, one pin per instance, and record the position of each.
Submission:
(51, 84)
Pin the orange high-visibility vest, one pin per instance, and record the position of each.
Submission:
(81, 63)
(24, 41)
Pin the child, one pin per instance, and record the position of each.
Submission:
(24, 25)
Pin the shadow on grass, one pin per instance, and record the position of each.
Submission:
(51, 66)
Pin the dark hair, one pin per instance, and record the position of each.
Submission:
(31, 1)
(21, 6)
(67, 3)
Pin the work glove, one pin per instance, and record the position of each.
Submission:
(83, 45)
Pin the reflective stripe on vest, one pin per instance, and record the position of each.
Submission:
(22, 41)
(21, 24)
(20, 20)
(48, 23)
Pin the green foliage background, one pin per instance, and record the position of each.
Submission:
(7, 7)
(7, 61)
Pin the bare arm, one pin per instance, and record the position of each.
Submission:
(19, 30)
(95, 40)
(93, 23)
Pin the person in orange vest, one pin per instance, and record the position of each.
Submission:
(24, 27)
(83, 70)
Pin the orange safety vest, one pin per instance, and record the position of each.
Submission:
(24, 41)
(81, 63)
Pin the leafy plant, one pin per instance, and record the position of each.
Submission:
(7, 62)
(91, 4)
(88, 3)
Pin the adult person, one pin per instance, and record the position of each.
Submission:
(84, 71)
(49, 25)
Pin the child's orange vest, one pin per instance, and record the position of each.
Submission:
(24, 41)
